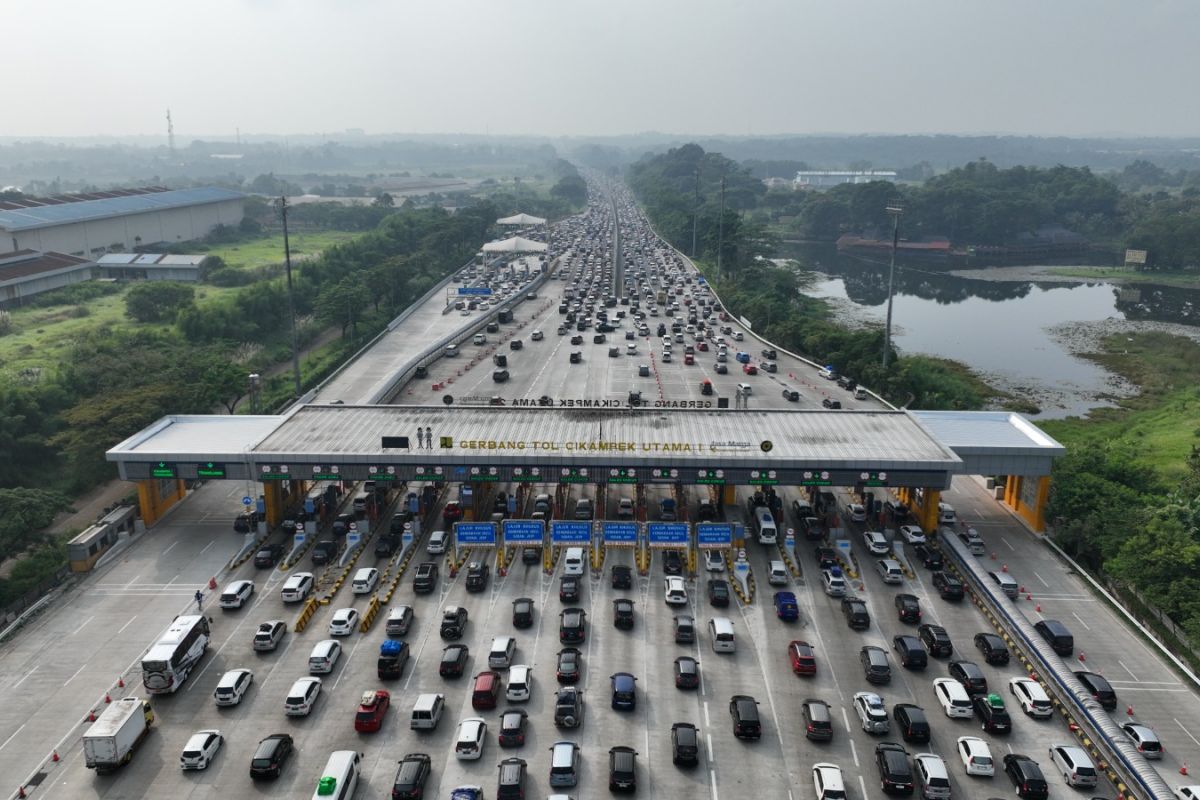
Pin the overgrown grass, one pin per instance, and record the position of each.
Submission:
(1184, 280)
(1161, 423)
(269, 249)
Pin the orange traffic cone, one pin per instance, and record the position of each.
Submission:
(1038, 608)
(107, 698)
(1129, 710)
(1082, 656)
(54, 756)
(121, 682)
(212, 583)
(993, 555)
(21, 789)
(1004, 568)
(1182, 771)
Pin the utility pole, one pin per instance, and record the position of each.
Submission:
(287, 260)
(895, 210)
(721, 227)
(171, 135)
(695, 212)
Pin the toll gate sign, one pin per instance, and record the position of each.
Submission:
(570, 531)
(474, 534)
(668, 534)
(714, 535)
(620, 534)
(524, 531)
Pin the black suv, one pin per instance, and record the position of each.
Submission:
(571, 628)
(912, 722)
(511, 785)
(992, 647)
(948, 586)
(936, 640)
(622, 577)
(908, 608)
(324, 551)
(875, 664)
(568, 707)
(672, 562)
(268, 555)
(970, 676)
(1100, 688)
(818, 724)
(568, 589)
(743, 709)
(567, 670)
(454, 660)
(411, 775)
(685, 744)
(910, 652)
(855, 611)
(272, 753)
(718, 592)
(523, 612)
(894, 771)
(622, 769)
(477, 576)
(992, 713)
(929, 558)
(1027, 776)
(623, 613)
(454, 622)
(425, 579)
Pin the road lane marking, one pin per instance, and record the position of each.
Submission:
(127, 624)
(1185, 730)
(10, 738)
(1006, 542)
(349, 656)
(862, 785)
(164, 552)
(210, 544)
(707, 723)
(712, 780)
(1127, 669)
(1040, 578)
(84, 625)
(710, 746)
(27, 674)
(1081, 622)
(73, 677)
(168, 583)
(134, 578)
(854, 752)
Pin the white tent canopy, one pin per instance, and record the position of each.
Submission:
(521, 219)
(516, 244)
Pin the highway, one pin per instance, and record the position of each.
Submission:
(58, 669)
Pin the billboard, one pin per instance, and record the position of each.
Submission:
(620, 534)
(472, 534)
(524, 531)
(570, 531)
(668, 534)
(713, 535)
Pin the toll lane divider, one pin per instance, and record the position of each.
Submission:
(369, 615)
(306, 614)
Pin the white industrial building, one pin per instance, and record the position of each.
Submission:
(151, 267)
(26, 273)
(89, 225)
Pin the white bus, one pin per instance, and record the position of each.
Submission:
(175, 653)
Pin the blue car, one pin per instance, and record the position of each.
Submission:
(467, 793)
(785, 606)
(743, 358)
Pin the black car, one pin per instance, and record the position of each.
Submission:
(936, 640)
(531, 555)
(1100, 688)
(454, 622)
(623, 613)
(522, 612)
(685, 744)
(512, 728)
(910, 652)
(569, 659)
(572, 626)
(743, 710)
(622, 577)
(324, 551)
(912, 722)
(818, 724)
(718, 592)
(622, 769)
(454, 660)
(908, 608)
(929, 557)
(856, 614)
(992, 713)
(268, 555)
(687, 673)
(272, 753)
(970, 676)
(568, 588)
(568, 707)
(948, 586)
(411, 775)
(895, 773)
(511, 784)
(425, 578)
(992, 647)
(477, 575)
(831, 403)
(826, 558)
(672, 562)
(875, 664)
(1027, 776)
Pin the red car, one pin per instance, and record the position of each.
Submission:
(804, 661)
(371, 711)
(453, 512)
(689, 359)
(702, 347)
(749, 369)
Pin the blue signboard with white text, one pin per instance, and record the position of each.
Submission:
(478, 291)
(620, 533)
(570, 531)
(668, 534)
(714, 535)
(524, 531)
(468, 534)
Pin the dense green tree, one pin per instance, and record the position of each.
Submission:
(24, 512)
(158, 301)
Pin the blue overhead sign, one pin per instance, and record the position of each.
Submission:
(618, 533)
(524, 531)
(713, 534)
(480, 291)
(668, 534)
(570, 531)
(473, 533)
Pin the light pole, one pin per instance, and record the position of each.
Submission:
(721, 228)
(287, 258)
(695, 212)
(895, 211)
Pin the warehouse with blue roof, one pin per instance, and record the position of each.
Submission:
(89, 225)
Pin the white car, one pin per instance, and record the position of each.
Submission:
(236, 594)
(858, 513)
(468, 743)
(976, 756)
(1032, 697)
(872, 714)
(625, 508)
(479, 339)
(365, 580)
(302, 697)
(297, 587)
(666, 356)
(520, 678)
(889, 570)
(912, 534)
(269, 634)
(876, 543)
(201, 749)
(344, 621)
(1188, 792)
(714, 561)
(537, 336)
(675, 591)
(953, 698)
(232, 687)
(631, 349)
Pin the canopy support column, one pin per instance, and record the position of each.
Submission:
(157, 495)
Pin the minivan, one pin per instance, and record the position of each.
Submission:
(437, 543)
(324, 656)
(584, 508)
(1057, 635)
(932, 776)
(501, 654)
(564, 764)
(818, 723)
(1074, 764)
(573, 561)
(764, 523)
(398, 621)
(946, 514)
(427, 712)
(720, 630)
(485, 691)
(1006, 582)
(340, 777)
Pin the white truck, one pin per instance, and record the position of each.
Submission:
(110, 741)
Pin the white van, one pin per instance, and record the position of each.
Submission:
(764, 524)
(451, 350)
(946, 514)
(437, 542)
(340, 776)
(573, 561)
(827, 782)
(365, 580)
(720, 630)
(360, 501)
(427, 712)
(324, 656)
(398, 621)
(502, 652)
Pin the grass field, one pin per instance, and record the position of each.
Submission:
(1184, 280)
(1163, 422)
(269, 249)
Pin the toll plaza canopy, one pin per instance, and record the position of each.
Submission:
(515, 244)
(521, 219)
(686, 443)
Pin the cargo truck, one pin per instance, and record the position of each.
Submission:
(110, 741)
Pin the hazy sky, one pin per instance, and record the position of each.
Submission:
(79, 67)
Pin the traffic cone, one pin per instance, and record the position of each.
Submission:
(1038, 608)
(21, 789)
(993, 555)
(1129, 710)
(1073, 728)
(1028, 596)
(54, 756)
(1023, 591)
(107, 698)
(1082, 656)
(1004, 568)
(1183, 769)
(91, 716)
(212, 583)
(121, 682)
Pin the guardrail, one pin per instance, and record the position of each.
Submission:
(1132, 773)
